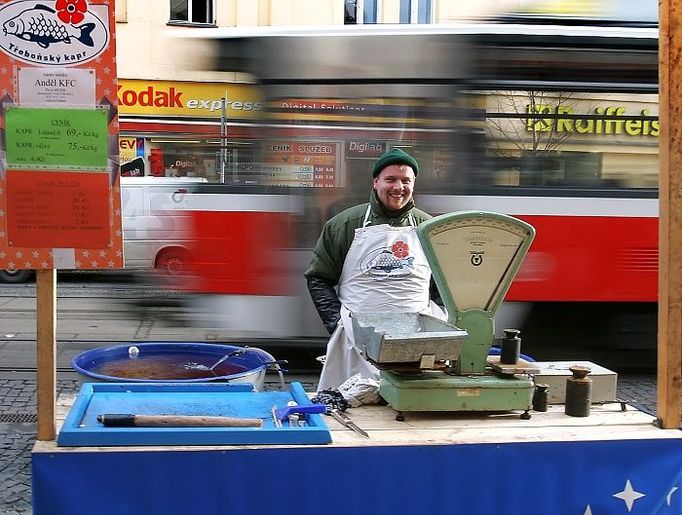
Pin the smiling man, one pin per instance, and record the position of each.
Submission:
(369, 259)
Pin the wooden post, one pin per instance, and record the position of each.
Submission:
(670, 221)
(46, 366)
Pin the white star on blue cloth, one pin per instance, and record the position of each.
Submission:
(629, 495)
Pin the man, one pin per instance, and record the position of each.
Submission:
(370, 253)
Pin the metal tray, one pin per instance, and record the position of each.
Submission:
(81, 427)
(406, 337)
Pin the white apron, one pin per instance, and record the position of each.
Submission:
(385, 270)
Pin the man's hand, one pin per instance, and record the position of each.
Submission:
(326, 302)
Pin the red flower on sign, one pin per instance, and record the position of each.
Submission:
(400, 249)
(71, 11)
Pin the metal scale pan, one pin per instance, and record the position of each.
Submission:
(407, 341)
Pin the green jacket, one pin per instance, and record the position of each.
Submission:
(337, 235)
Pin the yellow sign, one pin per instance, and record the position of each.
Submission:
(606, 120)
(127, 149)
(187, 99)
(563, 7)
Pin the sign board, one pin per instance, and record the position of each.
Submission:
(60, 204)
(306, 164)
(188, 99)
(133, 168)
(49, 138)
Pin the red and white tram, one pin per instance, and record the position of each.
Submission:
(554, 125)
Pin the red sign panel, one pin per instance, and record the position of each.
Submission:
(57, 209)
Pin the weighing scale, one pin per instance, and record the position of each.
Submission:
(431, 365)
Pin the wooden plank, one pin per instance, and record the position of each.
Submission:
(670, 221)
(520, 367)
(606, 422)
(46, 366)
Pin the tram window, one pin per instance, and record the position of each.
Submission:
(192, 11)
(581, 167)
(559, 169)
(632, 170)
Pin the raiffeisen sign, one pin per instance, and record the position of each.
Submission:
(603, 120)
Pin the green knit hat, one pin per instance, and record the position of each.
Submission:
(395, 156)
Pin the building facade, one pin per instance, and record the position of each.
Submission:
(182, 118)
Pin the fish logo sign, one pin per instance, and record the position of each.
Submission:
(59, 33)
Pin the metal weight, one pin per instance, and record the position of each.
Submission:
(578, 392)
(510, 347)
(540, 397)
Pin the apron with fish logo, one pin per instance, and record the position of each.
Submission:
(385, 270)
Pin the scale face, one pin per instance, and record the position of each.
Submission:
(474, 257)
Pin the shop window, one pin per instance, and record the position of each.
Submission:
(360, 11)
(192, 11)
(416, 11)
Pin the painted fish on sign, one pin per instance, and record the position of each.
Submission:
(59, 33)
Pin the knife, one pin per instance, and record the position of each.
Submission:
(344, 419)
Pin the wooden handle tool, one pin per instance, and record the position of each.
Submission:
(131, 420)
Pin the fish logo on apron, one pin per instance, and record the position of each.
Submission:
(394, 262)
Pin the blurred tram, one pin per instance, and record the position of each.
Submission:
(557, 125)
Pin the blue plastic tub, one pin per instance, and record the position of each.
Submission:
(173, 362)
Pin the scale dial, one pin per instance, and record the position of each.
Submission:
(475, 256)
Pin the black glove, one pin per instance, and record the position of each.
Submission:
(326, 302)
(434, 294)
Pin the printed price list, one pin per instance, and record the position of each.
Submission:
(68, 139)
(325, 177)
(301, 164)
(53, 210)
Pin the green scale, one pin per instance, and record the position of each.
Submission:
(427, 364)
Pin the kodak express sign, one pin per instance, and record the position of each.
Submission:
(188, 99)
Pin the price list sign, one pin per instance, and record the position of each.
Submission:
(301, 164)
(73, 139)
(56, 173)
(62, 209)
(325, 176)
